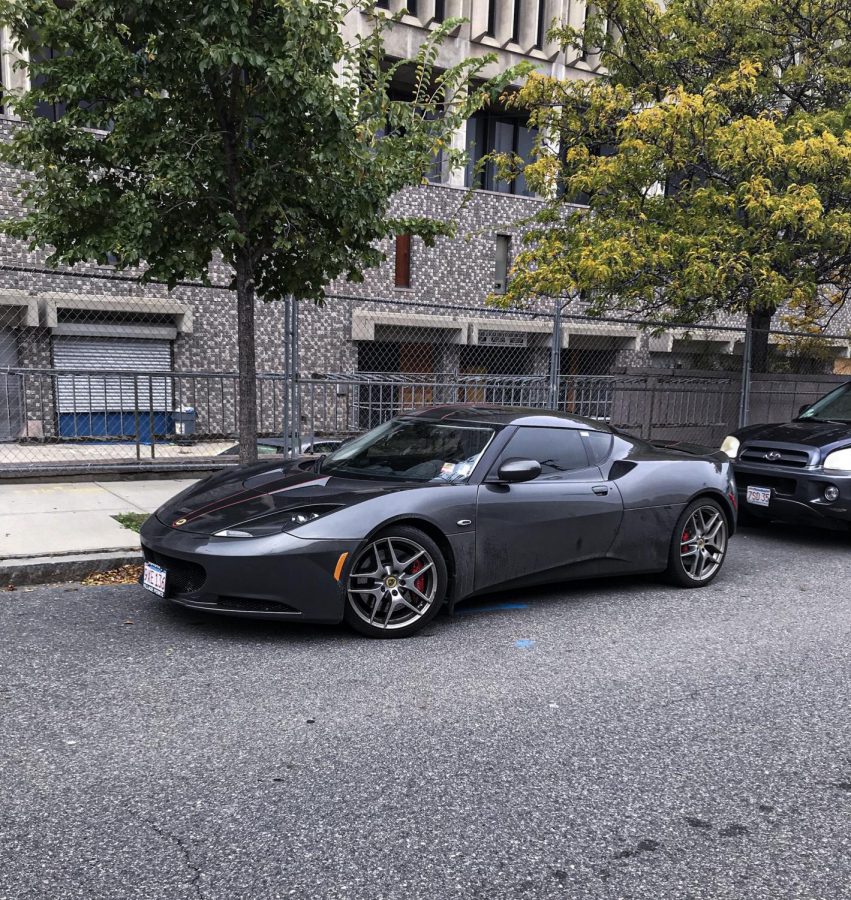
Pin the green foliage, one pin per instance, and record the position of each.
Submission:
(133, 521)
(730, 189)
(245, 127)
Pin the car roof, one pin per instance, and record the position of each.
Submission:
(485, 414)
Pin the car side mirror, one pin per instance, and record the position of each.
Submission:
(804, 408)
(513, 471)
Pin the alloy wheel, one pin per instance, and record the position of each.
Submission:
(393, 583)
(703, 543)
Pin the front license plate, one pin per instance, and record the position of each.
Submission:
(153, 579)
(759, 496)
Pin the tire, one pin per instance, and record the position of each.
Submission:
(396, 583)
(698, 545)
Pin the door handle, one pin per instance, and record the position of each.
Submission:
(600, 490)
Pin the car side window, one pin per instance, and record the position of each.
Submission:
(558, 450)
(599, 445)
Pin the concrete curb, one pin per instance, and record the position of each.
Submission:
(67, 567)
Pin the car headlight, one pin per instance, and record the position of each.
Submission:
(839, 460)
(730, 445)
(275, 523)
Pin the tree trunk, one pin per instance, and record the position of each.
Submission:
(760, 325)
(247, 363)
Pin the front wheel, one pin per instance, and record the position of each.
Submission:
(698, 544)
(395, 584)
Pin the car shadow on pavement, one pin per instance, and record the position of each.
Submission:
(785, 534)
(587, 590)
(245, 629)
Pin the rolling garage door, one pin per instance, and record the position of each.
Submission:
(93, 404)
(11, 394)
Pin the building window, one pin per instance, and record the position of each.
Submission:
(501, 262)
(491, 30)
(541, 30)
(498, 133)
(586, 25)
(52, 111)
(515, 22)
(403, 261)
(411, 6)
(382, 4)
(439, 10)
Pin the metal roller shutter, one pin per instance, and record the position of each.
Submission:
(98, 401)
(89, 393)
(11, 406)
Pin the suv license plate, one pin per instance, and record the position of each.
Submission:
(759, 496)
(153, 579)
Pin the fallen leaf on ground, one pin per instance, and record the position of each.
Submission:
(122, 575)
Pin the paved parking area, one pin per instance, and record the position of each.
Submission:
(611, 740)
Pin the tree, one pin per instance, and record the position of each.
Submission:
(715, 158)
(247, 129)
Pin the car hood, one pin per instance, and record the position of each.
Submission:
(240, 495)
(824, 435)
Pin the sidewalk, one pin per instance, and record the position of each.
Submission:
(50, 529)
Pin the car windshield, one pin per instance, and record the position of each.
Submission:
(413, 450)
(835, 407)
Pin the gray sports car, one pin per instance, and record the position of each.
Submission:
(436, 506)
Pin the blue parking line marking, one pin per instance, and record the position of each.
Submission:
(465, 611)
(525, 644)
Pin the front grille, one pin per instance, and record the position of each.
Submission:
(784, 486)
(775, 456)
(182, 577)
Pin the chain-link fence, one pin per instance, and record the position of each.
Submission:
(137, 378)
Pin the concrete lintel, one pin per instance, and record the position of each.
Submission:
(160, 332)
(364, 323)
(94, 303)
(27, 305)
(626, 336)
(842, 347)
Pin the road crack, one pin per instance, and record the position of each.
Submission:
(195, 880)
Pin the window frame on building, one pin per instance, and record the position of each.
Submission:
(402, 262)
(482, 140)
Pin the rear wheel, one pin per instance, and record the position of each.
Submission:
(395, 584)
(698, 544)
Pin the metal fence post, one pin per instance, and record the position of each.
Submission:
(745, 396)
(295, 405)
(285, 424)
(555, 355)
(291, 405)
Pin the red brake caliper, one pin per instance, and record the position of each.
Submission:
(684, 540)
(419, 584)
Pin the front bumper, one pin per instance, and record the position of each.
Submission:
(797, 495)
(276, 577)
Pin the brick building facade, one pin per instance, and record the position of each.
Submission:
(421, 315)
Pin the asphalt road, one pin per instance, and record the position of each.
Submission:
(606, 740)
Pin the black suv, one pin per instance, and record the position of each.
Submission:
(799, 471)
